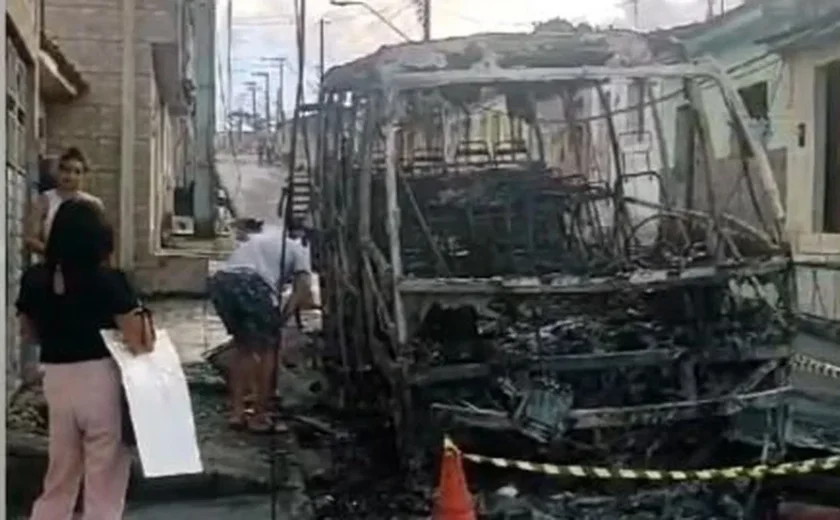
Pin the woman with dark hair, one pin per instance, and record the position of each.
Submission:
(64, 303)
(72, 166)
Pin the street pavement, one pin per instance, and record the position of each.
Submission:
(254, 189)
(192, 324)
(232, 508)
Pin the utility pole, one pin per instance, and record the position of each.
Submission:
(710, 9)
(635, 4)
(427, 20)
(321, 24)
(281, 66)
(267, 79)
(229, 94)
(252, 86)
(204, 119)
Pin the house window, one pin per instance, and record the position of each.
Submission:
(17, 191)
(755, 97)
(636, 109)
(758, 109)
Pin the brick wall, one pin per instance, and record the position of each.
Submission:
(90, 34)
(22, 33)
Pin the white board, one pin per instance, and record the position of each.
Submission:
(160, 407)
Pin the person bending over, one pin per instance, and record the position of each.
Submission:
(246, 293)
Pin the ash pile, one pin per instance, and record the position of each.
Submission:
(633, 355)
(584, 372)
(684, 502)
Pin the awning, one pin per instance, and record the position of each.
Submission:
(166, 63)
(60, 80)
(813, 34)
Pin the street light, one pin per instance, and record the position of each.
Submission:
(345, 3)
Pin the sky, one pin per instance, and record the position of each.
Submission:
(264, 28)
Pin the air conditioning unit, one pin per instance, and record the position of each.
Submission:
(224, 229)
(183, 226)
(224, 223)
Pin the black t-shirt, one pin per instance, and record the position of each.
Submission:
(69, 325)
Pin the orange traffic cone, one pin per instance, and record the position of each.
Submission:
(453, 500)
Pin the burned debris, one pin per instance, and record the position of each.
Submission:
(511, 252)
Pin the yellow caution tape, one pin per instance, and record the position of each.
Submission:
(603, 473)
(811, 365)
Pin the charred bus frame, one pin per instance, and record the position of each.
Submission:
(375, 308)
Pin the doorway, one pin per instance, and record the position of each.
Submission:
(830, 144)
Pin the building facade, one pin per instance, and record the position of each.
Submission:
(22, 49)
(38, 76)
(133, 123)
(784, 58)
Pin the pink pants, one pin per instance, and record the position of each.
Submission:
(85, 424)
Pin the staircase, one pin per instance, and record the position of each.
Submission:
(301, 195)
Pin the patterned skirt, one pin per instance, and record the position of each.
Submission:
(247, 306)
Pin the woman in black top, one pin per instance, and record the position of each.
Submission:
(63, 303)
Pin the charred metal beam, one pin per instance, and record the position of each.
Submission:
(583, 362)
(585, 419)
(574, 285)
(443, 78)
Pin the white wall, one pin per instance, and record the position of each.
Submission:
(793, 100)
(804, 163)
(746, 65)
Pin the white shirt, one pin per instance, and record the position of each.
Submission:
(54, 200)
(262, 252)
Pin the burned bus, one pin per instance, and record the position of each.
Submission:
(530, 242)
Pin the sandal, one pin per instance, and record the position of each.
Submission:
(262, 424)
(237, 421)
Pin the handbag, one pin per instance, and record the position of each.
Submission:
(129, 438)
